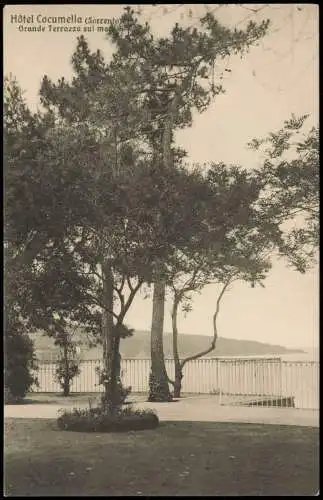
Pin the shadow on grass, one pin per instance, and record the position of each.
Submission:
(54, 398)
(28, 401)
(75, 398)
(177, 458)
(81, 397)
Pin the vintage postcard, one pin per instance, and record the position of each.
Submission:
(161, 242)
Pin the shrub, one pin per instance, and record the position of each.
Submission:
(66, 370)
(20, 362)
(68, 362)
(121, 393)
(99, 420)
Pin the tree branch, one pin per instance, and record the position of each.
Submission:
(91, 272)
(120, 288)
(131, 288)
(215, 331)
(121, 297)
(129, 301)
(100, 304)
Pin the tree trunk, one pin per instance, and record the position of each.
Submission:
(177, 363)
(66, 384)
(110, 380)
(116, 358)
(158, 380)
(178, 381)
(66, 389)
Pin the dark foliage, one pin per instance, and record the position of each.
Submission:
(20, 361)
(99, 420)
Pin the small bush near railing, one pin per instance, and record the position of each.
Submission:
(99, 420)
(121, 392)
(9, 399)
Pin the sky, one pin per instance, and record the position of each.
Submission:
(277, 78)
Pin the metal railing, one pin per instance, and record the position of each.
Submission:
(252, 382)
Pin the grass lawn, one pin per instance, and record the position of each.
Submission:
(179, 458)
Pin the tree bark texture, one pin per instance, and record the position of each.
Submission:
(110, 375)
(177, 363)
(66, 384)
(158, 380)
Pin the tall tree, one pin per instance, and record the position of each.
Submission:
(230, 245)
(177, 76)
(48, 222)
(108, 236)
(273, 211)
(258, 209)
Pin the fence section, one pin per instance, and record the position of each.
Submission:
(301, 380)
(253, 378)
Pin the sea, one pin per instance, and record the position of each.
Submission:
(306, 356)
(313, 355)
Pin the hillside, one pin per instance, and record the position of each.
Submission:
(138, 346)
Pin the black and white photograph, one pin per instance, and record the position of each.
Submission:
(161, 250)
